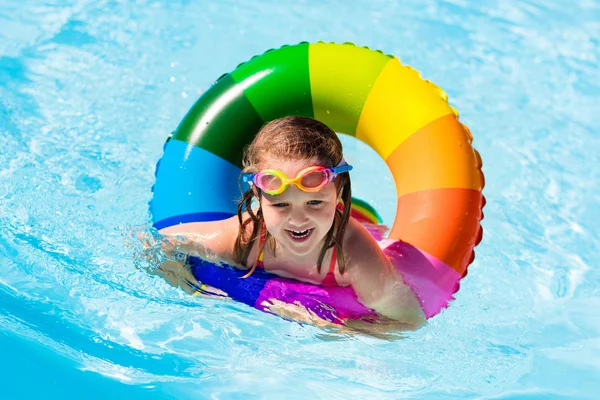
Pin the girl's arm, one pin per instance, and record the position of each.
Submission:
(375, 279)
(211, 241)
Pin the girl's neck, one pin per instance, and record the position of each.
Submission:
(304, 267)
(285, 256)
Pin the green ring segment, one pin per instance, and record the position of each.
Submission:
(277, 83)
(326, 81)
(222, 121)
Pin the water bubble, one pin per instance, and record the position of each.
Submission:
(87, 184)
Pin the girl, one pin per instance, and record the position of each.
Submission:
(297, 177)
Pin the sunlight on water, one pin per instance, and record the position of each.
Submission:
(89, 91)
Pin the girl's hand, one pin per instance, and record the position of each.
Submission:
(159, 255)
(298, 313)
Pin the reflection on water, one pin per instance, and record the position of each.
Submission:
(90, 90)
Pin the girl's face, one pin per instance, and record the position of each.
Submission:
(299, 220)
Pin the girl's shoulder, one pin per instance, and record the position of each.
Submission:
(359, 243)
(362, 254)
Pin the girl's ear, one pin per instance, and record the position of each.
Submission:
(340, 188)
(339, 195)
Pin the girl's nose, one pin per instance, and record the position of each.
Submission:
(297, 217)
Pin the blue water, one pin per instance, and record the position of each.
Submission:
(89, 90)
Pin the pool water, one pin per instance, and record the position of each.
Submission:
(89, 91)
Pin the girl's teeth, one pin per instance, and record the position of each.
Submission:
(300, 234)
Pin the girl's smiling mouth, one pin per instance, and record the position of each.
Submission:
(299, 236)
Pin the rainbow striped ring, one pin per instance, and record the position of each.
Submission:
(359, 92)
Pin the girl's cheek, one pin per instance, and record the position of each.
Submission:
(324, 212)
(275, 216)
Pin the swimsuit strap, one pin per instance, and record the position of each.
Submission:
(330, 277)
(333, 261)
(259, 261)
(261, 249)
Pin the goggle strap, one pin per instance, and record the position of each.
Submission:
(247, 177)
(342, 169)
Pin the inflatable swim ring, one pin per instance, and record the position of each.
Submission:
(358, 92)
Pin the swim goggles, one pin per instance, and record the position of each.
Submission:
(311, 179)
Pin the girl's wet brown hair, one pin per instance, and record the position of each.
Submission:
(292, 138)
